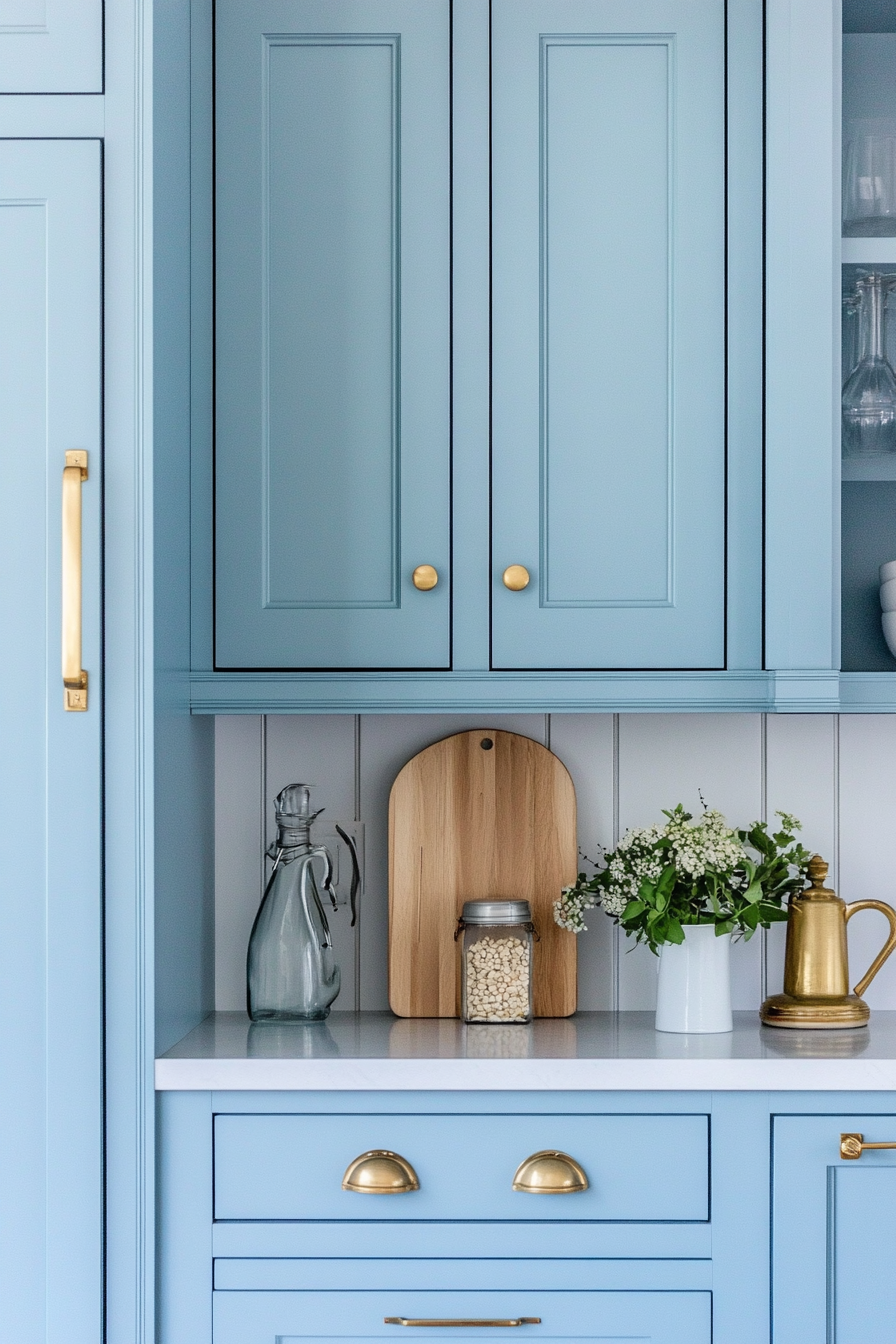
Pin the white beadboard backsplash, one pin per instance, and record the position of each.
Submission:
(837, 774)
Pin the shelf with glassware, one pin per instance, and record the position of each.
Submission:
(868, 423)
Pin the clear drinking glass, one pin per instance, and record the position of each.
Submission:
(496, 961)
(291, 971)
(869, 393)
(869, 179)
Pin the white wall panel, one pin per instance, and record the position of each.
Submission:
(837, 776)
(388, 741)
(666, 759)
(801, 778)
(585, 745)
(239, 840)
(319, 750)
(867, 815)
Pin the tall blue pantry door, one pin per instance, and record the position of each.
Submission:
(332, 454)
(608, 333)
(50, 873)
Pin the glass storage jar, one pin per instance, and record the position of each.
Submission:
(496, 961)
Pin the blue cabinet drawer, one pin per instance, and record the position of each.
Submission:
(649, 1317)
(640, 1167)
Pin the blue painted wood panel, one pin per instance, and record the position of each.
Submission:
(455, 1270)
(50, 857)
(51, 46)
(654, 1318)
(832, 1231)
(291, 1166)
(332, 336)
(608, 256)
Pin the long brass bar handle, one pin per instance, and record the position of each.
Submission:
(74, 678)
(888, 946)
(405, 1320)
(853, 1145)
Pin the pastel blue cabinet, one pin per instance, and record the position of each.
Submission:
(50, 761)
(332, 333)
(655, 1318)
(591, 316)
(833, 1230)
(51, 46)
(608, 333)
(258, 1177)
(259, 1241)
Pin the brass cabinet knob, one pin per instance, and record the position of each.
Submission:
(380, 1172)
(516, 578)
(425, 577)
(550, 1173)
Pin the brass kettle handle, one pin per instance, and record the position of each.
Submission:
(852, 909)
(550, 1172)
(380, 1172)
(853, 1145)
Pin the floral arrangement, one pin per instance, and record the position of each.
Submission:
(660, 878)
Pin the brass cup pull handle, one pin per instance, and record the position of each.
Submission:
(852, 909)
(74, 678)
(380, 1172)
(516, 578)
(550, 1172)
(425, 577)
(407, 1320)
(852, 1146)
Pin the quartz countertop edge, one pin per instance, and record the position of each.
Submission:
(588, 1052)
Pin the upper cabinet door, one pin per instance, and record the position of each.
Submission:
(332, 333)
(608, 312)
(51, 1132)
(51, 46)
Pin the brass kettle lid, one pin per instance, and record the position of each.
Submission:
(817, 872)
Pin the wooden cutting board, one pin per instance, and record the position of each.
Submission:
(478, 816)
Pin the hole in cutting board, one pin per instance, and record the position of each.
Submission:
(486, 744)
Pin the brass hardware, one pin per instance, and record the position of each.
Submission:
(425, 577)
(380, 1172)
(550, 1173)
(516, 578)
(853, 1145)
(405, 1320)
(74, 678)
(816, 970)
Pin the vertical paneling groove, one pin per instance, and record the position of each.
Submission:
(617, 937)
(360, 913)
(763, 816)
(262, 802)
(835, 854)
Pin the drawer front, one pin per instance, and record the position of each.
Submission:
(277, 1318)
(642, 1168)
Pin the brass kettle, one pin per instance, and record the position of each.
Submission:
(816, 971)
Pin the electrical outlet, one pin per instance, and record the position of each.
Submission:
(325, 834)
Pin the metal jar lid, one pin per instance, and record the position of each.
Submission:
(496, 912)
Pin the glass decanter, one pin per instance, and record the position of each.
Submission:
(869, 393)
(291, 972)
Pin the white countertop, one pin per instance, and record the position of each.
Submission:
(590, 1051)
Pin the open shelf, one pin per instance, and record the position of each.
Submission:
(869, 251)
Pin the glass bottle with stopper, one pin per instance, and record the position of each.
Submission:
(291, 970)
